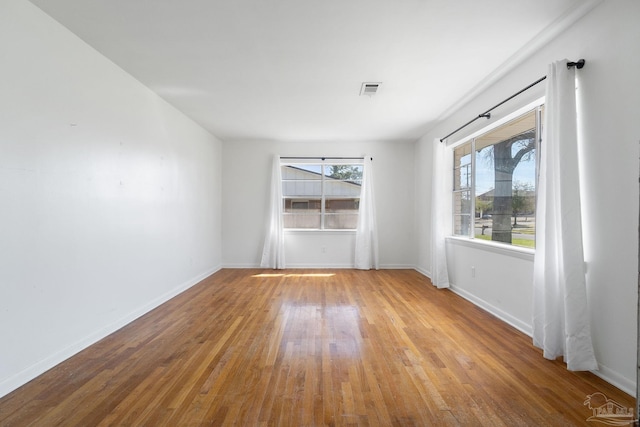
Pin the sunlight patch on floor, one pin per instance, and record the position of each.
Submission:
(294, 275)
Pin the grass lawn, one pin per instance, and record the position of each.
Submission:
(516, 242)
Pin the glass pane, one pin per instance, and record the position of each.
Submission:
(462, 212)
(301, 213)
(301, 221)
(302, 206)
(341, 189)
(342, 205)
(341, 213)
(505, 169)
(484, 208)
(461, 225)
(302, 180)
(462, 167)
(302, 188)
(349, 173)
(342, 221)
(301, 171)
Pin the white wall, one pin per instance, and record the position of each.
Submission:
(609, 39)
(109, 197)
(246, 183)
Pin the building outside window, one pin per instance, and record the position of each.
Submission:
(494, 182)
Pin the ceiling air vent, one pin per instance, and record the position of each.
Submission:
(369, 88)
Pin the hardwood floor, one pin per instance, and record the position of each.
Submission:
(310, 348)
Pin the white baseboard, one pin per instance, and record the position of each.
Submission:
(396, 267)
(241, 266)
(607, 374)
(321, 266)
(31, 372)
(614, 378)
(500, 314)
(422, 271)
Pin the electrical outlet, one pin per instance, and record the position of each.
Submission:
(324, 249)
(473, 271)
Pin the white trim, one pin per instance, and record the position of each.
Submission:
(520, 325)
(245, 266)
(514, 115)
(425, 273)
(604, 372)
(338, 266)
(341, 266)
(319, 266)
(31, 372)
(614, 378)
(396, 267)
(290, 161)
(498, 248)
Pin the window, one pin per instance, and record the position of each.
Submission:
(321, 196)
(494, 183)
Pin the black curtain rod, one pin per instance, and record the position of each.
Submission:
(487, 114)
(324, 158)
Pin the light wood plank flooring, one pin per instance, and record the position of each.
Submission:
(310, 348)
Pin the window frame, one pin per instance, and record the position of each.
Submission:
(328, 162)
(538, 106)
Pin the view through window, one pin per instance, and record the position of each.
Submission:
(494, 194)
(321, 196)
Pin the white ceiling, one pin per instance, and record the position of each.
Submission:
(292, 69)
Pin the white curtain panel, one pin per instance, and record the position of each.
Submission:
(366, 256)
(440, 213)
(560, 312)
(273, 251)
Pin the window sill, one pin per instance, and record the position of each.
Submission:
(498, 248)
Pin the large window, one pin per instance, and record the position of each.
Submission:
(494, 189)
(321, 196)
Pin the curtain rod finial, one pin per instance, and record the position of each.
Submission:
(578, 64)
